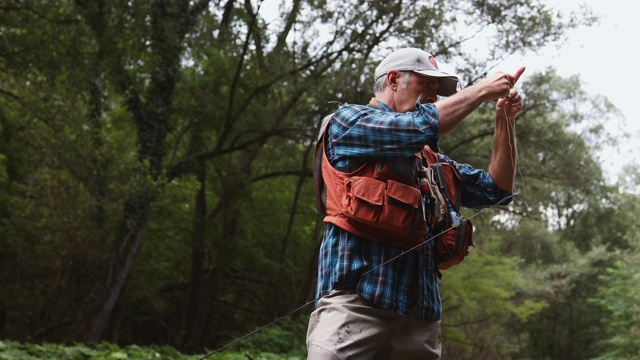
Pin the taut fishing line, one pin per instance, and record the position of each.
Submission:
(512, 144)
(258, 329)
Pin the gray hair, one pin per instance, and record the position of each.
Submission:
(380, 84)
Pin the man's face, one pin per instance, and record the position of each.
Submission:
(415, 86)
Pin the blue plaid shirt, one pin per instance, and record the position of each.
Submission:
(408, 283)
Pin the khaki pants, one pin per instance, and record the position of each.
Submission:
(345, 326)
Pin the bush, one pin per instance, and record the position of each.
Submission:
(11, 350)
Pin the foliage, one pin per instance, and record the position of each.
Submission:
(284, 337)
(155, 174)
(577, 323)
(620, 298)
(577, 282)
(102, 351)
(535, 268)
(473, 326)
(108, 351)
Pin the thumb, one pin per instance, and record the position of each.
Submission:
(516, 76)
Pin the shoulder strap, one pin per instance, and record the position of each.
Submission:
(318, 180)
(430, 156)
(323, 126)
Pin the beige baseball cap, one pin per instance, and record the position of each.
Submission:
(421, 62)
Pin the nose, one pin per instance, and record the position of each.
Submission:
(430, 99)
(431, 93)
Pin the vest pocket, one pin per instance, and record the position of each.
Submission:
(453, 246)
(364, 199)
(390, 205)
(400, 211)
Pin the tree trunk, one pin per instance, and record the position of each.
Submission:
(308, 288)
(203, 309)
(101, 320)
(190, 312)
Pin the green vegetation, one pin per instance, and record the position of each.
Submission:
(103, 351)
(156, 188)
(10, 350)
(283, 340)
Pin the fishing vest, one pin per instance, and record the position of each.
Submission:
(395, 201)
(378, 201)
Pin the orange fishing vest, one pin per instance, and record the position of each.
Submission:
(379, 201)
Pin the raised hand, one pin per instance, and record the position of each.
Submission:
(511, 104)
(499, 84)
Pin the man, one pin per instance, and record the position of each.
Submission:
(379, 300)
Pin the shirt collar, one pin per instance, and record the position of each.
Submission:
(384, 106)
(377, 103)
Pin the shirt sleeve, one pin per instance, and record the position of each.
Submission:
(366, 132)
(478, 190)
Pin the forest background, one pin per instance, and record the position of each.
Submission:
(156, 186)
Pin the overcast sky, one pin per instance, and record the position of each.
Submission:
(605, 57)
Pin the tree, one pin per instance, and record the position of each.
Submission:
(162, 151)
(526, 258)
(620, 298)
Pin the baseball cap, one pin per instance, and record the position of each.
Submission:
(421, 62)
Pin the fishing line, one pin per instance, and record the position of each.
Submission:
(512, 136)
(373, 269)
(435, 236)
(258, 329)
(512, 145)
(514, 150)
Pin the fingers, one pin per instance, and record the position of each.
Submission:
(515, 108)
(516, 76)
(513, 104)
(499, 82)
(514, 79)
(513, 96)
(514, 99)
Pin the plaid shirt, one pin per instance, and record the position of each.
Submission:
(408, 283)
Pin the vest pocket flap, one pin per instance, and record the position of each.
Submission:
(367, 189)
(405, 194)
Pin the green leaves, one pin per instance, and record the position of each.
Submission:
(620, 298)
(103, 351)
(190, 125)
(480, 297)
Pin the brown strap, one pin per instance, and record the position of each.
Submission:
(318, 180)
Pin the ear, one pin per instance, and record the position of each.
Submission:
(393, 79)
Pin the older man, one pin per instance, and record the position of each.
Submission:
(379, 295)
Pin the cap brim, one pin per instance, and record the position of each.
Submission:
(449, 84)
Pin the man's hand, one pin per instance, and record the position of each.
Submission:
(499, 84)
(510, 105)
(504, 154)
(453, 109)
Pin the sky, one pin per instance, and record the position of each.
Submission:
(605, 57)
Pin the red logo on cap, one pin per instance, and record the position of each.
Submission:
(433, 62)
